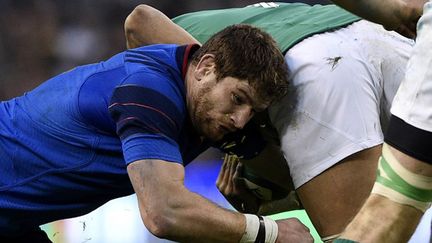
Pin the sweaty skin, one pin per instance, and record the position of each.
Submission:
(397, 15)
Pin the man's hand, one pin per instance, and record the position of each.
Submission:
(292, 230)
(407, 14)
(232, 185)
(397, 15)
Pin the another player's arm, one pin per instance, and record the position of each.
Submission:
(398, 15)
(146, 25)
(171, 211)
(384, 218)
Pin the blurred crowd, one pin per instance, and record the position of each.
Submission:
(41, 38)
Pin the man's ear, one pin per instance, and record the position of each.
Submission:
(205, 66)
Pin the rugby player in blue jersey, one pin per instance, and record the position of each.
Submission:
(328, 211)
(129, 125)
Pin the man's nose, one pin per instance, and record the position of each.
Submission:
(241, 117)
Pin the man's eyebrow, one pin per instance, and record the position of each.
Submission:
(255, 105)
(246, 94)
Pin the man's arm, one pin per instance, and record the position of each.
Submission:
(398, 15)
(144, 20)
(171, 211)
(384, 220)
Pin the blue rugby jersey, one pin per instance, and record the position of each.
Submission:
(65, 145)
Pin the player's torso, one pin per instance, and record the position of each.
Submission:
(59, 146)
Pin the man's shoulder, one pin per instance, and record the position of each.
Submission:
(153, 66)
(151, 55)
(154, 49)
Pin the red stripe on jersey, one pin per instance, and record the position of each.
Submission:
(186, 59)
(148, 107)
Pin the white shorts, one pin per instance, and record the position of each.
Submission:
(410, 129)
(343, 84)
(413, 102)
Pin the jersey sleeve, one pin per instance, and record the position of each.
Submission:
(148, 117)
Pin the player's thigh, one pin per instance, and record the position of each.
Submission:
(332, 198)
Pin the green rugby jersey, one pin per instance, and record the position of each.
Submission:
(288, 23)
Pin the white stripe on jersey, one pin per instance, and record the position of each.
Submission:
(265, 5)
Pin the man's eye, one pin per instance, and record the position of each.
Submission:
(237, 99)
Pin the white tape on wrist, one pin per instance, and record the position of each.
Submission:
(251, 230)
(259, 230)
(271, 230)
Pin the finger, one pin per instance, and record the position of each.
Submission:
(232, 159)
(230, 165)
(233, 166)
(229, 158)
(239, 170)
(221, 171)
(229, 180)
(226, 160)
(220, 182)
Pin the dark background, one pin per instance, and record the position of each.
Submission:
(41, 38)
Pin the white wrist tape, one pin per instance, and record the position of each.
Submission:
(259, 229)
(251, 230)
(271, 230)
